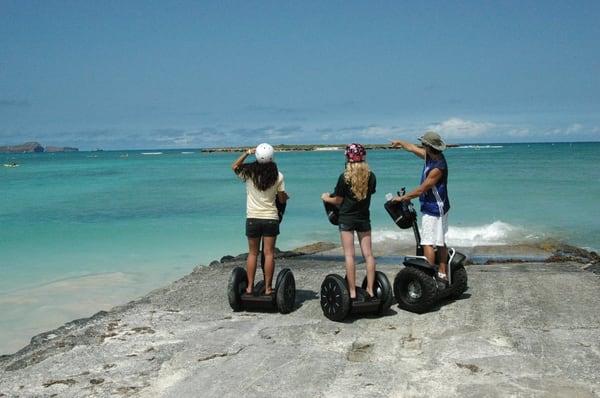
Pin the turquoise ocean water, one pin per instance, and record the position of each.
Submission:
(83, 231)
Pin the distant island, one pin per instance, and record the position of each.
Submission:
(35, 147)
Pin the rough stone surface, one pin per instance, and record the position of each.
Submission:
(527, 330)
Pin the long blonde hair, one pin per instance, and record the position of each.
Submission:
(357, 176)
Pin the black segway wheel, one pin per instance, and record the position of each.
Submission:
(285, 294)
(280, 276)
(383, 291)
(259, 288)
(238, 280)
(335, 297)
(459, 282)
(415, 290)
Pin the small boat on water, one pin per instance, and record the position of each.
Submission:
(11, 165)
(152, 153)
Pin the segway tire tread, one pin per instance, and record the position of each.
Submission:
(427, 285)
(335, 298)
(382, 284)
(285, 295)
(459, 283)
(238, 280)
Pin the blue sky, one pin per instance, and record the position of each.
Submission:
(158, 74)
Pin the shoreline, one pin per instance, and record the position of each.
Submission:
(313, 147)
(547, 252)
(183, 338)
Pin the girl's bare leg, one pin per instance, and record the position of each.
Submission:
(253, 247)
(269, 252)
(347, 238)
(366, 248)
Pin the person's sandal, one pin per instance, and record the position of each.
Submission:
(370, 298)
(442, 277)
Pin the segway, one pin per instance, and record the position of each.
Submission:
(284, 294)
(282, 299)
(416, 287)
(335, 294)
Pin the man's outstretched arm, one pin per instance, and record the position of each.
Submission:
(417, 150)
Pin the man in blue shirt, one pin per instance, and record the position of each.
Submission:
(433, 195)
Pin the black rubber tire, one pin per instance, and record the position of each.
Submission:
(335, 298)
(259, 287)
(420, 284)
(280, 276)
(285, 294)
(383, 291)
(238, 280)
(459, 282)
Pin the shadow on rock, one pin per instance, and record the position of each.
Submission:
(305, 295)
(447, 301)
(354, 317)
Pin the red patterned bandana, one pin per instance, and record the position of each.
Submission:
(355, 153)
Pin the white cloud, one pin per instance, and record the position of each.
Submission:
(519, 132)
(575, 127)
(279, 134)
(372, 133)
(376, 131)
(459, 128)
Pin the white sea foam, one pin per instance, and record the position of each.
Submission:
(328, 148)
(152, 153)
(480, 146)
(496, 233)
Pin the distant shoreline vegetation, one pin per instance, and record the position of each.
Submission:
(305, 147)
(35, 147)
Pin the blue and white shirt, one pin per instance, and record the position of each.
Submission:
(435, 201)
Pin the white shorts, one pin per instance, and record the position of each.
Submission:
(434, 230)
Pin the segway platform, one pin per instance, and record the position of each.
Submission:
(282, 299)
(337, 305)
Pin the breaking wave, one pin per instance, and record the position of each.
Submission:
(496, 233)
(480, 146)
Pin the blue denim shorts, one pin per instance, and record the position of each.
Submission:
(258, 227)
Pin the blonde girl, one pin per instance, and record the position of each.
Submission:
(353, 196)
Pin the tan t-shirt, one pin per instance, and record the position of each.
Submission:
(261, 204)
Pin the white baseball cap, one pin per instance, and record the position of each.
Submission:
(264, 153)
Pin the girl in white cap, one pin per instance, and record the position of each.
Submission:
(264, 184)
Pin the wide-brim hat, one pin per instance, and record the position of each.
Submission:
(433, 139)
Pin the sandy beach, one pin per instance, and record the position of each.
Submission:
(521, 329)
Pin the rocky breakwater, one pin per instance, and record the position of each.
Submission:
(34, 147)
(522, 329)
